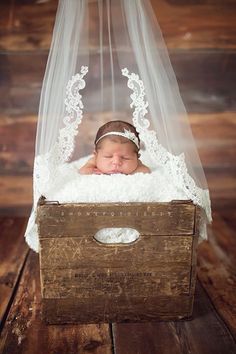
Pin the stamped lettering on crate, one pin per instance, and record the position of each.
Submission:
(108, 213)
(116, 275)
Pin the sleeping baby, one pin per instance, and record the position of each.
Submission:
(117, 147)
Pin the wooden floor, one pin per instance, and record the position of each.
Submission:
(212, 329)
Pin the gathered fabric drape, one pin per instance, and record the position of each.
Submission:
(107, 61)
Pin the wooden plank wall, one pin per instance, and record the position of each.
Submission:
(201, 38)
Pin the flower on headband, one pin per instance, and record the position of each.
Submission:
(131, 136)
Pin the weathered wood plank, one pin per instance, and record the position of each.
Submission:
(222, 184)
(22, 75)
(190, 26)
(56, 252)
(22, 69)
(16, 191)
(224, 239)
(177, 337)
(17, 144)
(79, 220)
(15, 211)
(221, 128)
(192, 68)
(217, 153)
(106, 309)
(151, 337)
(25, 332)
(229, 216)
(20, 100)
(216, 270)
(205, 79)
(13, 252)
(29, 26)
(149, 281)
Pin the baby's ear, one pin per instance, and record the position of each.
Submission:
(139, 155)
(94, 152)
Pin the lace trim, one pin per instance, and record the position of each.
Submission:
(175, 165)
(74, 108)
(45, 165)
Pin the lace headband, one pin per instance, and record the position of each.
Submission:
(126, 134)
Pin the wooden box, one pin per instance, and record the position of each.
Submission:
(85, 281)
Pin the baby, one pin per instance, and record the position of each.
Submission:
(117, 147)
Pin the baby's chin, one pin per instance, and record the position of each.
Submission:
(116, 172)
(105, 172)
(125, 171)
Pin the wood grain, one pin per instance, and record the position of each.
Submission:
(81, 219)
(188, 25)
(13, 252)
(216, 270)
(222, 184)
(214, 128)
(17, 145)
(177, 337)
(229, 216)
(107, 309)
(149, 281)
(205, 79)
(56, 252)
(29, 26)
(25, 332)
(16, 191)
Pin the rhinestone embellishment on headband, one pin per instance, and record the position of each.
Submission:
(131, 136)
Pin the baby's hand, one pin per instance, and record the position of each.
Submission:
(142, 168)
(97, 171)
(86, 170)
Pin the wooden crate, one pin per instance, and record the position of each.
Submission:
(85, 281)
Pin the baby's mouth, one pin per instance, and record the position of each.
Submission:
(115, 172)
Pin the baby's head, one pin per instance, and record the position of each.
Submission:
(116, 148)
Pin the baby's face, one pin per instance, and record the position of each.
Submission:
(114, 157)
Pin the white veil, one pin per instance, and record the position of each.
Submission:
(108, 61)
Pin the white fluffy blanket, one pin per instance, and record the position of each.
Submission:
(71, 187)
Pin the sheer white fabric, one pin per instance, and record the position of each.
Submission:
(108, 61)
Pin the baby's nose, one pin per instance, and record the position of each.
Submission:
(116, 160)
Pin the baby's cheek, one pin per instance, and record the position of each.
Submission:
(103, 166)
(131, 166)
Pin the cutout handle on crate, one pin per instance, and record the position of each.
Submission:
(117, 235)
